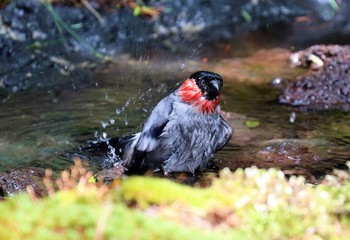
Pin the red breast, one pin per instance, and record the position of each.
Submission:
(190, 93)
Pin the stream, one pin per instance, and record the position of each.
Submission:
(44, 128)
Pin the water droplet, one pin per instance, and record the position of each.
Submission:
(127, 103)
(276, 81)
(104, 124)
(126, 120)
(118, 111)
(104, 135)
(112, 121)
(292, 117)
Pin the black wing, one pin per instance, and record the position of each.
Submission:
(148, 140)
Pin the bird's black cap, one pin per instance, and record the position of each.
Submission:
(209, 83)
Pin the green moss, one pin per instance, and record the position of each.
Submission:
(249, 203)
(70, 215)
(163, 191)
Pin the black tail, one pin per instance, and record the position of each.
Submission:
(138, 164)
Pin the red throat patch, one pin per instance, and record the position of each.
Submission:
(190, 93)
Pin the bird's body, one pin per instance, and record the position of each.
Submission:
(183, 130)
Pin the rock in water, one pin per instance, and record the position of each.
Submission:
(328, 85)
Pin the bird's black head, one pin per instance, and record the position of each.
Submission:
(209, 83)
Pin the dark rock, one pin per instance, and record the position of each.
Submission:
(328, 85)
(28, 42)
(17, 180)
(324, 24)
(30, 36)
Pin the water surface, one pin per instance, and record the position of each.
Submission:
(39, 128)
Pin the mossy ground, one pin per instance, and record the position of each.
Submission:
(251, 203)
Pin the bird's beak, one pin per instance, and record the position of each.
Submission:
(216, 84)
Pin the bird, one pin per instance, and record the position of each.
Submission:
(183, 130)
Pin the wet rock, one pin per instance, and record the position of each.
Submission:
(328, 84)
(287, 152)
(327, 22)
(300, 157)
(17, 180)
(107, 176)
(212, 21)
(28, 42)
(30, 36)
(292, 156)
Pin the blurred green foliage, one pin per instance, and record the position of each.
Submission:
(251, 203)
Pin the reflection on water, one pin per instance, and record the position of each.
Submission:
(40, 128)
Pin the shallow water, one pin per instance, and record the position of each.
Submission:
(298, 142)
(40, 128)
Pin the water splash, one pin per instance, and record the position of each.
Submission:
(126, 123)
(146, 78)
(118, 111)
(112, 157)
(104, 124)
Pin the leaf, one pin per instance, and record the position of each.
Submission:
(137, 11)
(252, 123)
(334, 5)
(93, 179)
(246, 16)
